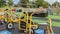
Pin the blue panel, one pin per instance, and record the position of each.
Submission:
(39, 31)
(5, 32)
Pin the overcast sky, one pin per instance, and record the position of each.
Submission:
(49, 1)
(52, 1)
(16, 1)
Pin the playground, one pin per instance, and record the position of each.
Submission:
(29, 16)
(19, 22)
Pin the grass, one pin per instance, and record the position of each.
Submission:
(53, 17)
(39, 21)
(57, 24)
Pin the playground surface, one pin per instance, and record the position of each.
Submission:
(16, 30)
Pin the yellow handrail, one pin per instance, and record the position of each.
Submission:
(50, 22)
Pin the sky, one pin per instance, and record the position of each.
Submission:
(49, 1)
(15, 1)
(52, 1)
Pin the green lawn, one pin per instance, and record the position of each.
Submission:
(53, 17)
(39, 21)
(57, 24)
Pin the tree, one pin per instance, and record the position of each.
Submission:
(39, 2)
(56, 10)
(45, 4)
(10, 3)
(55, 4)
(2, 3)
(30, 4)
(23, 3)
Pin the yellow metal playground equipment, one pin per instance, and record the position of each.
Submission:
(2, 16)
(6, 17)
(27, 24)
(12, 19)
(50, 23)
(49, 28)
(23, 24)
